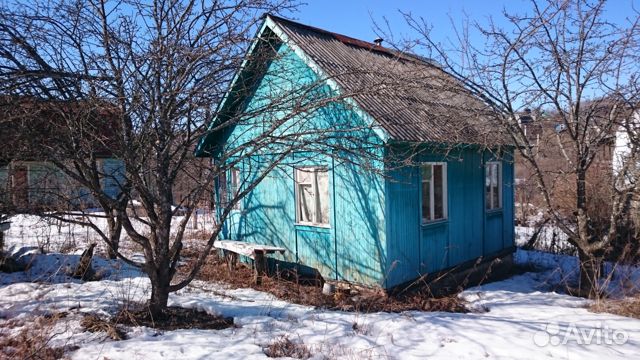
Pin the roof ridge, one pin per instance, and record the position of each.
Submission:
(349, 40)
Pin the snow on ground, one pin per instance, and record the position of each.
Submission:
(550, 238)
(518, 318)
(50, 235)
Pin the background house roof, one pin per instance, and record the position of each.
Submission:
(410, 97)
(32, 129)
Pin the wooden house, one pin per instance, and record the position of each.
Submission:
(434, 192)
(31, 131)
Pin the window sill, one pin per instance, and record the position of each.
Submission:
(434, 223)
(493, 212)
(312, 226)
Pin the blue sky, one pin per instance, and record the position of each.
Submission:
(354, 17)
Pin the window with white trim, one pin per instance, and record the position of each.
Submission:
(434, 191)
(493, 185)
(312, 196)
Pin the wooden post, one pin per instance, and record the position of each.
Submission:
(231, 259)
(260, 265)
(84, 270)
(195, 219)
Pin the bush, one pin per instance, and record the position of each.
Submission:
(283, 347)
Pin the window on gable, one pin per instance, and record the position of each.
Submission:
(493, 185)
(312, 196)
(434, 191)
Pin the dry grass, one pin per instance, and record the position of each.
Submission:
(173, 318)
(94, 323)
(287, 285)
(629, 307)
(31, 342)
(283, 347)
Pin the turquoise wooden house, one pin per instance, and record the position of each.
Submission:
(431, 188)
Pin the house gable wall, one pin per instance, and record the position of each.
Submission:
(353, 246)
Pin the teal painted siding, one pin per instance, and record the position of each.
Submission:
(359, 223)
(508, 201)
(353, 246)
(375, 235)
(466, 198)
(417, 249)
(403, 225)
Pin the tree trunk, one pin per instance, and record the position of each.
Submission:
(590, 272)
(159, 293)
(589, 263)
(114, 240)
(161, 277)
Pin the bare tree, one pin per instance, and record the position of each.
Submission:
(66, 146)
(160, 70)
(573, 67)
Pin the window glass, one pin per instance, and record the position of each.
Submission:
(312, 195)
(487, 186)
(434, 191)
(426, 200)
(493, 185)
(235, 186)
(307, 200)
(322, 178)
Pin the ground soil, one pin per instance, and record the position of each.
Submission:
(172, 318)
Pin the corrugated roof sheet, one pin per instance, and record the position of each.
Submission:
(410, 97)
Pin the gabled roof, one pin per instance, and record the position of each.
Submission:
(407, 97)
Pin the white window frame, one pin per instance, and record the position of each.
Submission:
(314, 184)
(490, 206)
(445, 195)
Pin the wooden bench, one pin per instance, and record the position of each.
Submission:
(257, 252)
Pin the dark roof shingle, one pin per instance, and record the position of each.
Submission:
(410, 97)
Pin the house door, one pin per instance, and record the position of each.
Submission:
(20, 186)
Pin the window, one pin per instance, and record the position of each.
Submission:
(235, 186)
(229, 187)
(493, 185)
(434, 191)
(312, 196)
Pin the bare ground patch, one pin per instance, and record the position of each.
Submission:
(32, 341)
(289, 286)
(172, 318)
(629, 307)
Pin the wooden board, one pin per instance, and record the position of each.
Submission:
(245, 248)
